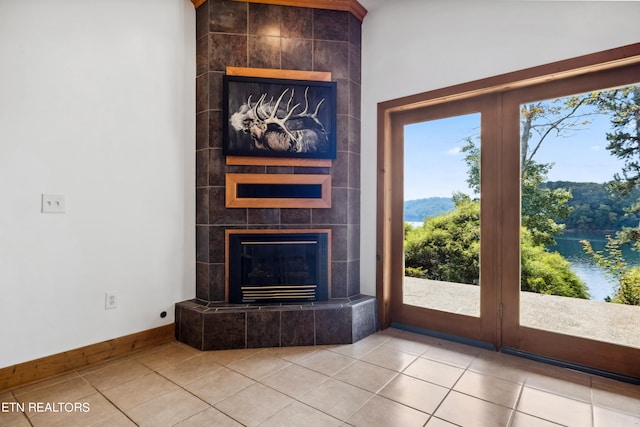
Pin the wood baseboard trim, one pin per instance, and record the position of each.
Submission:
(56, 364)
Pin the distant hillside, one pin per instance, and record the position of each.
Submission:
(596, 207)
(593, 207)
(417, 210)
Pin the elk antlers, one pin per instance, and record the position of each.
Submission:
(267, 112)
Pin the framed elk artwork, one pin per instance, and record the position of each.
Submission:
(279, 118)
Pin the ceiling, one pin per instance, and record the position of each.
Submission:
(372, 4)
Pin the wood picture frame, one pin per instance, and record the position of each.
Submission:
(281, 118)
(277, 161)
(246, 190)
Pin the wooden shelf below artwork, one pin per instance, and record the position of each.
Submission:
(248, 190)
(277, 161)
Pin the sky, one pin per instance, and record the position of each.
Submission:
(433, 163)
(435, 167)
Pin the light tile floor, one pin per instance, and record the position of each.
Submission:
(391, 378)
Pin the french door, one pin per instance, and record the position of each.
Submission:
(498, 321)
(463, 305)
(562, 328)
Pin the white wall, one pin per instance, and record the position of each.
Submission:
(412, 46)
(97, 103)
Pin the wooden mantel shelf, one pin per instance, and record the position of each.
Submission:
(344, 5)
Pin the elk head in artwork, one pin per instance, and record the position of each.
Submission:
(275, 126)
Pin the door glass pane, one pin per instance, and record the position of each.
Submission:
(579, 274)
(442, 214)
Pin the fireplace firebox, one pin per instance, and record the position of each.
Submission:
(278, 266)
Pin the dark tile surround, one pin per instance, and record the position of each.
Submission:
(234, 33)
(218, 326)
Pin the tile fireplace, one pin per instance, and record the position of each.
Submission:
(275, 37)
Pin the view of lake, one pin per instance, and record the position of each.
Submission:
(567, 157)
(569, 246)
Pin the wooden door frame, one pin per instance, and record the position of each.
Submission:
(391, 116)
(480, 328)
(581, 351)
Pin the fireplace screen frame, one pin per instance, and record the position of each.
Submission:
(294, 293)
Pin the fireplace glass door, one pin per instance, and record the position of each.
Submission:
(277, 266)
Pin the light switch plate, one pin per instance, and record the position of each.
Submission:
(53, 203)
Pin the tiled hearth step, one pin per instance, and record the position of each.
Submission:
(217, 326)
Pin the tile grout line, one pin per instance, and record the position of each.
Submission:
(115, 406)
(515, 405)
(259, 381)
(209, 405)
(352, 385)
(449, 392)
(95, 391)
(22, 412)
(152, 370)
(362, 352)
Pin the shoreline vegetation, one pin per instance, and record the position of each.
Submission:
(446, 245)
(447, 248)
(593, 207)
(595, 211)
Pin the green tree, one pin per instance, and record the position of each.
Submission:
(626, 279)
(447, 248)
(623, 104)
(543, 208)
(546, 272)
(561, 117)
(624, 142)
(595, 207)
(472, 159)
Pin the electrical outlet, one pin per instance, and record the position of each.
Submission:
(110, 300)
(53, 203)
